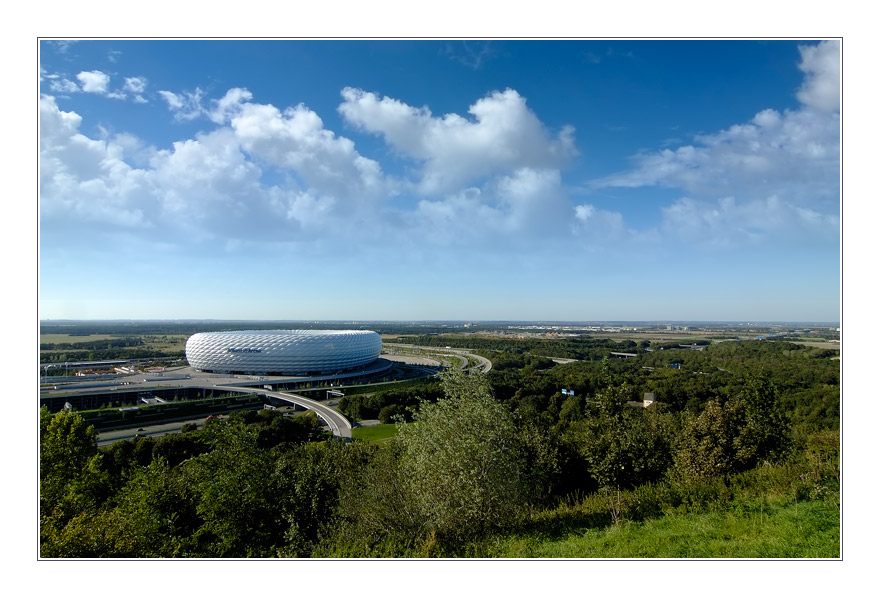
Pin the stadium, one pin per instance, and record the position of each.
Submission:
(282, 352)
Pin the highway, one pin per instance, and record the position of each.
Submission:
(484, 364)
(153, 430)
(337, 422)
(246, 384)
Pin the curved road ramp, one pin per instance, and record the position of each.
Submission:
(337, 422)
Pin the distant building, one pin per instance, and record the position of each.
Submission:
(646, 401)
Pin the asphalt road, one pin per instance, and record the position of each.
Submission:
(484, 364)
(154, 430)
(186, 377)
(337, 422)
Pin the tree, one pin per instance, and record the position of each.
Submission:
(235, 498)
(157, 514)
(306, 484)
(462, 460)
(71, 479)
(735, 435)
(705, 445)
(622, 447)
(766, 434)
(377, 506)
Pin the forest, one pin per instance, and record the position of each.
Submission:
(738, 455)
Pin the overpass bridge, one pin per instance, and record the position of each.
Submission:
(185, 379)
(337, 422)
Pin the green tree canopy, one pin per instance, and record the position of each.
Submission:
(462, 459)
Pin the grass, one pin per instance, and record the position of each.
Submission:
(161, 343)
(805, 529)
(73, 338)
(381, 433)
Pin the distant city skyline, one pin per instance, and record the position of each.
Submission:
(426, 180)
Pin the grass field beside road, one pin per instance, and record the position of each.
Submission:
(381, 433)
(158, 343)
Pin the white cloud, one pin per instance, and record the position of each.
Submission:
(821, 87)
(727, 223)
(85, 180)
(174, 101)
(471, 54)
(201, 189)
(134, 150)
(229, 105)
(594, 225)
(215, 185)
(514, 210)
(328, 185)
(61, 45)
(94, 81)
(209, 187)
(184, 106)
(63, 86)
(55, 125)
(136, 86)
(783, 169)
(453, 151)
(295, 140)
(795, 154)
(97, 82)
(533, 201)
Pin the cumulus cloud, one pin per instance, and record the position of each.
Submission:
(493, 178)
(211, 185)
(296, 140)
(61, 45)
(453, 151)
(94, 81)
(63, 86)
(592, 224)
(134, 150)
(208, 186)
(502, 184)
(497, 173)
(136, 86)
(779, 163)
(98, 83)
(184, 106)
(83, 179)
(794, 153)
(821, 87)
(200, 190)
(728, 223)
(513, 211)
(229, 105)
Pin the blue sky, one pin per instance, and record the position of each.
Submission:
(433, 179)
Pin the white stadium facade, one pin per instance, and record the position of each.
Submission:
(282, 352)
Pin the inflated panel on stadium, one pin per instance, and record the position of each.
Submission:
(288, 352)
